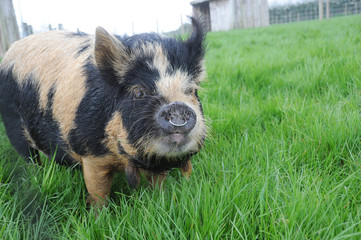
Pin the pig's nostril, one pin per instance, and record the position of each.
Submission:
(178, 124)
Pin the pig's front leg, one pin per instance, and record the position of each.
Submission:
(155, 179)
(98, 178)
(186, 169)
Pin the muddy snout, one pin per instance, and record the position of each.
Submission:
(176, 117)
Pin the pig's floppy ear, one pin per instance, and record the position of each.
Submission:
(111, 55)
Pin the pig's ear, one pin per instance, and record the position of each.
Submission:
(197, 37)
(195, 45)
(111, 56)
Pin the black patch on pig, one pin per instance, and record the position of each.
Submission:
(10, 114)
(94, 111)
(43, 129)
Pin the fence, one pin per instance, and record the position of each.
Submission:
(309, 10)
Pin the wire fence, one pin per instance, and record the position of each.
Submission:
(308, 10)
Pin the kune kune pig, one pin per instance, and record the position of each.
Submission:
(111, 103)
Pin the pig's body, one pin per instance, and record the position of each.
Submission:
(110, 103)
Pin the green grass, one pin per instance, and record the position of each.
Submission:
(282, 160)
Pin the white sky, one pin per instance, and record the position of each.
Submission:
(117, 16)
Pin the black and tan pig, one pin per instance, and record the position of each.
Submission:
(110, 103)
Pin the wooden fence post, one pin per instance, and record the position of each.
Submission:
(320, 9)
(9, 31)
(327, 9)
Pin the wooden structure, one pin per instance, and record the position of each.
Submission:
(223, 15)
(9, 31)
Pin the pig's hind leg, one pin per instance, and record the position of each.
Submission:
(16, 133)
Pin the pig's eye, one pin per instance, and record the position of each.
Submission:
(189, 91)
(139, 93)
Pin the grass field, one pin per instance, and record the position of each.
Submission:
(282, 160)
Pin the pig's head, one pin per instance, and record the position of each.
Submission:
(157, 80)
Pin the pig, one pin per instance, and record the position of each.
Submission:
(110, 103)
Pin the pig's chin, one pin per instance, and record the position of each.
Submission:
(174, 145)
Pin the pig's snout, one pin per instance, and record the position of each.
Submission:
(176, 117)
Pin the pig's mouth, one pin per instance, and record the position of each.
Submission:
(174, 145)
(176, 140)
